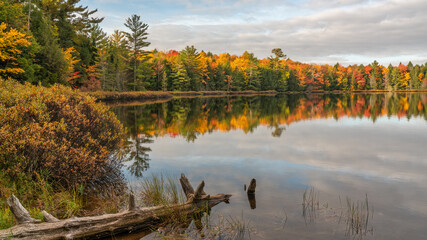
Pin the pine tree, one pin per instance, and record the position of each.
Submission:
(136, 41)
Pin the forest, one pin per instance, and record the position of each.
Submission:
(47, 42)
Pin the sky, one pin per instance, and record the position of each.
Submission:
(311, 31)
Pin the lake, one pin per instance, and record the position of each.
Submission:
(327, 166)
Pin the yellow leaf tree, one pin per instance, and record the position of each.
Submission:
(71, 60)
(12, 43)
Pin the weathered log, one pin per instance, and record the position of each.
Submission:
(49, 218)
(107, 225)
(199, 191)
(252, 186)
(21, 214)
(186, 186)
(132, 205)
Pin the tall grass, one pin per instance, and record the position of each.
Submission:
(161, 190)
(38, 195)
(6, 218)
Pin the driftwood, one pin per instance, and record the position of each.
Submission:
(134, 219)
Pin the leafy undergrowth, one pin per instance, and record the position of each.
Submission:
(58, 152)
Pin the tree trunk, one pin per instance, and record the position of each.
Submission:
(29, 16)
(134, 72)
(134, 219)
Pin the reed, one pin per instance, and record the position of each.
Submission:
(205, 227)
(310, 204)
(357, 217)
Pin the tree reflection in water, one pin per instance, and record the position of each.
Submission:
(191, 117)
(138, 155)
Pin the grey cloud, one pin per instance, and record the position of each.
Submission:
(383, 29)
(316, 4)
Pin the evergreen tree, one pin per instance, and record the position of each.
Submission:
(190, 59)
(50, 55)
(136, 41)
(118, 54)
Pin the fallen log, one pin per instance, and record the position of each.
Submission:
(95, 227)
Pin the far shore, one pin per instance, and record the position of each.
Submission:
(164, 95)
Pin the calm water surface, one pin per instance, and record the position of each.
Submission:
(366, 151)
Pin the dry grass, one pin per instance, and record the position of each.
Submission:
(117, 96)
(157, 95)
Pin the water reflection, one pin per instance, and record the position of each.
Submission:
(137, 154)
(252, 200)
(342, 145)
(355, 214)
(193, 117)
(190, 118)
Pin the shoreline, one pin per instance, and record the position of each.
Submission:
(159, 95)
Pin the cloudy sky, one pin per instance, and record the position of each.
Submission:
(314, 31)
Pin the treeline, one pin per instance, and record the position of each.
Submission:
(48, 42)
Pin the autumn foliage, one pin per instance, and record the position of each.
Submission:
(12, 44)
(59, 131)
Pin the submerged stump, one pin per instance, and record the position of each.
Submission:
(251, 193)
(252, 186)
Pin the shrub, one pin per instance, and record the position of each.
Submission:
(58, 130)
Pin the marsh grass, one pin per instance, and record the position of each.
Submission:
(161, 190)
(357, 215)
(238, 228)
(282, 219)
(310, 204)
(41, 194)
(208, 227)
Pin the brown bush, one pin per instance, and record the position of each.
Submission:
(57, 130)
